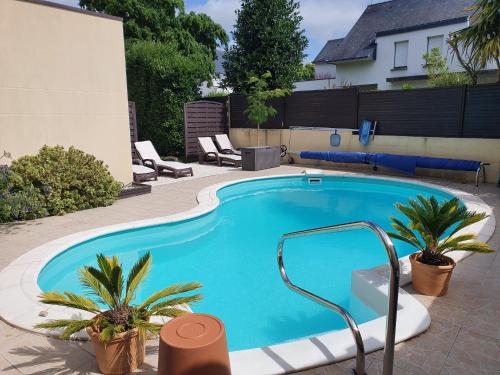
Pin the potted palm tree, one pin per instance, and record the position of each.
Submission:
(119, 327)
(433, 230)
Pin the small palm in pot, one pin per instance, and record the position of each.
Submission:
(433, 229)
(119, 330)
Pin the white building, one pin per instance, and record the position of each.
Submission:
(214, 87)
(385, 48)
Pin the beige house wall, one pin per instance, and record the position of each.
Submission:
(63, 82)
(485, 150)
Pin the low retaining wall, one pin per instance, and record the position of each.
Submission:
(485, 150)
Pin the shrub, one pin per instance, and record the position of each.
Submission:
(15, 204)
(65, 181)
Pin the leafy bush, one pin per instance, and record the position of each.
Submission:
(164, 79)
(16, 204)
(62, 181)
(439, 74)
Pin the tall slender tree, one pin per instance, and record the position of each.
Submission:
(268, 37)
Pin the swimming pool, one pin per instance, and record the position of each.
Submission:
(232, 251)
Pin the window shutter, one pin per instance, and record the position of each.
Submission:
(435, 42)
(401, 54)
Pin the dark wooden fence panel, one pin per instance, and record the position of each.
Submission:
(322, 108)
(482, 112)
(202, 119)
(240, 120)
(422, 112)
(132, 121)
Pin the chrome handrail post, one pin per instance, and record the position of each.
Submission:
(393, 292)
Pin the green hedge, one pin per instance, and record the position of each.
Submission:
(160, 80)
(55, 182)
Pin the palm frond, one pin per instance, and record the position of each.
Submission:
(95, 288)
(173, 289)
(474, 247)
(69, 299)
(176, 302)
(170, 312)
(136, 276)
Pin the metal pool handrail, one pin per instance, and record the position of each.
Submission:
(393, 291)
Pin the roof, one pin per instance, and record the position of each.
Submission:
(392, 17)
(328, 50)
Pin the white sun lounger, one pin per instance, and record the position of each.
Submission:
(225, 145)
(209, 152)
(150, 158)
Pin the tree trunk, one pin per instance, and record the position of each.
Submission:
(258, 135)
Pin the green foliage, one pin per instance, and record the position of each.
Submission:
(169, 54)
(439, 74)
(16, 204)
(482, 38)
(407, 86)
(268, 38)
(165, 79)
(257, 110)
(106, 286)
(57, 181)
(429, 222)
(216, 94)
(306, 72)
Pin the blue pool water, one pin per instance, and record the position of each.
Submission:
(232, 251)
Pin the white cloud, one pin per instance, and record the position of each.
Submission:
(221, 11)
(327, 19)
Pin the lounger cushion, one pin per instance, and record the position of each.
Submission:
(146, 150)
(141, 169)
(172, 164)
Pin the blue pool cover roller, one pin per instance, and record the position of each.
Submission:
(402, 163)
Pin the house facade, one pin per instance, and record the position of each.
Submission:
(384, 49)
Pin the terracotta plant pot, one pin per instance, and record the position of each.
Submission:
(431, 280)
(121, 355)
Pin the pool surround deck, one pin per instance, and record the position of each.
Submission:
(18, 284)
(24, 352)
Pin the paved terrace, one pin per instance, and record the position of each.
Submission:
(464, 337)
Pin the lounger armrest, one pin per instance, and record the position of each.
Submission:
(211, 154)
(151, 163)
(137, 162)
(226, 151)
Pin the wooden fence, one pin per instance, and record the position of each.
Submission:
(464, 111)
(203, 118)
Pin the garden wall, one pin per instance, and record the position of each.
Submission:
(63, 82)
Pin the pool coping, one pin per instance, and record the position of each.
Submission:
(18, 286)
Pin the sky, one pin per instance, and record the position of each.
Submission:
(323, 19)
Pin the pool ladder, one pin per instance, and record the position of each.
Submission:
(390, 330)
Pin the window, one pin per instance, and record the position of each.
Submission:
(400, 54)
(435, 42)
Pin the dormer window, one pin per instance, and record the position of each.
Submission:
(435, 42)
(401, 54)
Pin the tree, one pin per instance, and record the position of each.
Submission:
(307, 72)
(169, 54)
(482, 38)
(465, 60)
(268, 38)
(439, 74)
(259, 93)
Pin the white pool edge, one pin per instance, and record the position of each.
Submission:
(18, 286)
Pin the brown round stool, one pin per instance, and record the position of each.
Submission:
(193, 344)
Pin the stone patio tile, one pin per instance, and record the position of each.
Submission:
(7, 369)
(473, 354)
(427, 352)
(36, 354)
